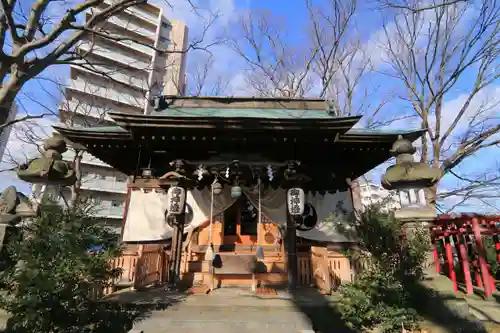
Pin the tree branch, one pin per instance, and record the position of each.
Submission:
(24, 118)
(417, 9)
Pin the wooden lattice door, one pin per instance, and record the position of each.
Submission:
(150, 266)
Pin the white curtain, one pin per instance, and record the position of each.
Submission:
(333, 212)
(332, 209)
(145, 219)
(146, 212)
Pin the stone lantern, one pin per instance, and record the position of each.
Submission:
(15, 208)
(49, 168)
(407, 175)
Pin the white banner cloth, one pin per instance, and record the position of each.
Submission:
(145, 220)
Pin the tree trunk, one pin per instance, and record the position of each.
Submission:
(8, 93)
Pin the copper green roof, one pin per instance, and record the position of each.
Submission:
(245, 113)
(324, 143)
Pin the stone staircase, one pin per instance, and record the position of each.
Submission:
(471, 306)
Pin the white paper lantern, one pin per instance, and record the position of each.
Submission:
(296, 200)
(176, 198)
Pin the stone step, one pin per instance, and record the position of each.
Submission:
(210, 320)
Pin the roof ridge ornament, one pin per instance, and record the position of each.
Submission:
(330, 110)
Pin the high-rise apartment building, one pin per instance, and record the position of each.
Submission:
(121, 73)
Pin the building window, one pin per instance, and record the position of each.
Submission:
(166, 25)
(164, 40)
(115, 203)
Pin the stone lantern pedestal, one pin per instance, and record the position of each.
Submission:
(14, 208)
(419, 219)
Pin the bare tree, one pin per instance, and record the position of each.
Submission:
(440, 54)
(203, 79)
(327, 60)
(29, 134)
(275, 66)
(33, 40)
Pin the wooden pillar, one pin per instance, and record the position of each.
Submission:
(291, 250)
(485, 274)
(449, 258)
(171, 263)
(437, 264)
(176, 249)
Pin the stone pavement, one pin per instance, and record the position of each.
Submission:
(230, 310)
(197, 319)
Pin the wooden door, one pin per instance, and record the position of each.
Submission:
(240, 224)
(150, 266)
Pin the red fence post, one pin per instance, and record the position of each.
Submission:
(449, 258)
(482, 259)
(437, 264)
(465, 264)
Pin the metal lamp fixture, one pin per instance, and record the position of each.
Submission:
(217, 188)
(296, 201)
(236, 191)
(147, 172)
(176, 200)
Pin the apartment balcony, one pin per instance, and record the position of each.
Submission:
(110, 212)
(101, 185)
(148, 17)
(122, 95)
(133, 80)
(134, 27)
(114, 54)
(87, 159)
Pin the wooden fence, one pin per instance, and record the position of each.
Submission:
(328, 270)
(140, 267)
(147, 265)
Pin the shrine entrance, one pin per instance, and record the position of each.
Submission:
(240, 225)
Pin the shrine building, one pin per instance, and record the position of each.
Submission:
(238, 190)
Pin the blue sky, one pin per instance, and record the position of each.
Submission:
(38, 96)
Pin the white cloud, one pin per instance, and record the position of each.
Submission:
(485, 105)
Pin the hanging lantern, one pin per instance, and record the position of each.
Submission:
(296, 199)
(147, 173)
(176, 199)
(217, 188)
(235, 191)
